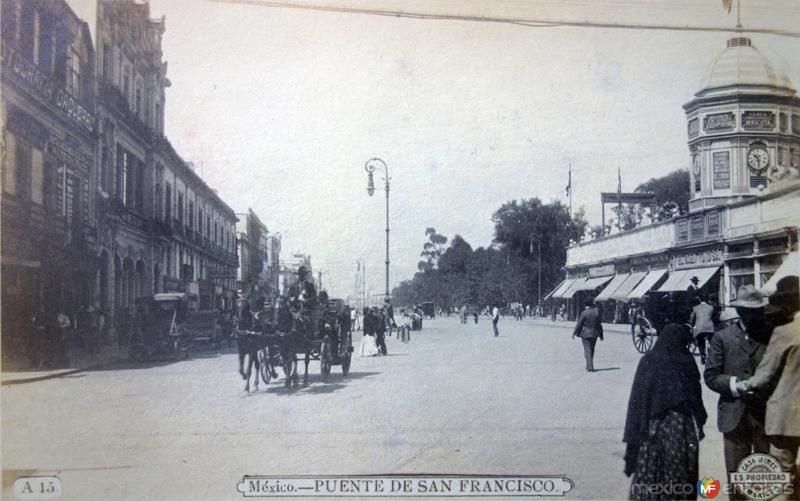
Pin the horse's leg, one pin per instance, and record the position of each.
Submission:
(241, 361)
(257, 363)
(247, 376)
(305, 375)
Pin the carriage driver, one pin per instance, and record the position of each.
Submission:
(303, 292)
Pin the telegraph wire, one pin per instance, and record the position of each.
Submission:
(530, 23)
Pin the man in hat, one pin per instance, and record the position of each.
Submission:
(303, 292)
(778, 379)
(702, 320)
(388, 313)
(589, 328)
(733, 354)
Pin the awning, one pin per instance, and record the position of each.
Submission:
(553, 291)
(680, 280)
(612, 286)
(589, 284)
(790, 266)
(621, 294)
(647, 283)
(566, 284)
(573, 288)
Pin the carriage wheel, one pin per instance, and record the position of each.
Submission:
(325, 358)
(264, 365)
(643, 335)
(345, 351)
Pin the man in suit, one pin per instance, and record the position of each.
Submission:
(589, 328)
(734, 354)
(778, 379)
(702, 320)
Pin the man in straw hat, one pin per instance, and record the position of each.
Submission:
(733, 354)
(778, 379)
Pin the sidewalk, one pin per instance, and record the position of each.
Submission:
(570, 324)
(17, 372)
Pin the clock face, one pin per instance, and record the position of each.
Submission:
(696, 165)
(758, 158)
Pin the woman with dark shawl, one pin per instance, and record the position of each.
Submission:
(665, 420)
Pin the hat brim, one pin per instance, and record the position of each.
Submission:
(750, 304)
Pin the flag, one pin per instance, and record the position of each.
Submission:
(569, 181)
(727, 4)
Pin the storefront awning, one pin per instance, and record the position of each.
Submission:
(566, 284)
(680, 280)
(621, 294)
(647, 283)
(568, 291)
(589, 284)
(553, 291)
(615, 283)
(790, 266)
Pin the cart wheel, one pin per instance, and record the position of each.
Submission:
(345, 351)
(325, 358)
(643, 335)
(264, 365)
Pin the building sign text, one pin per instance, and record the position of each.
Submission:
(762, 120)
(719, 121)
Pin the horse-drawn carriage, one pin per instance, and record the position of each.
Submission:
(318, 331)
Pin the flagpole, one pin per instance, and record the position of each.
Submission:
(619, 199)
(570, 191)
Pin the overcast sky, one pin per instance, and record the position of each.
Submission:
(281, 108)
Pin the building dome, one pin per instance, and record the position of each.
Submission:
(742, 64)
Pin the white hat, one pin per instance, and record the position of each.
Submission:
(728, 314)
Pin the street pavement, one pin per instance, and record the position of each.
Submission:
(453, 400)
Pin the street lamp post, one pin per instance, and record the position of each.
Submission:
(539, 264)
(370, 167)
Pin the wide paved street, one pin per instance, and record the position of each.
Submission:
(454, 400)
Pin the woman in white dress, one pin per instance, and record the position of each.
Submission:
(369, 347)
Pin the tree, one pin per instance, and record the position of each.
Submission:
(671, 199)
(455, 258)
(432, 249)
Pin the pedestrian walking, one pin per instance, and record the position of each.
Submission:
(733, 355)
(702, 320)
(36, 346)
(388, 316)
(495, 319)
(369, 347)
(380, 331)
(589, 328)
(777, 379)
(665, 419)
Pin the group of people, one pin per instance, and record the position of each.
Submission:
(753, 364)
(51, 330)
(377, 323)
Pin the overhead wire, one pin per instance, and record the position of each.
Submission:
(531, 23)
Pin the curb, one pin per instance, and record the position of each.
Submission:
(54, 375)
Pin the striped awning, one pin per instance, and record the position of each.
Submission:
(647, 283)
(681, 279)
(569, 292)
(553, 291)
(566, 284)
(612, 286)
(591, 284)
(621, 294)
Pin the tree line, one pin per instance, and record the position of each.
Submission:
(529, 245)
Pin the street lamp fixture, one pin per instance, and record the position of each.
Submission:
(370, 167)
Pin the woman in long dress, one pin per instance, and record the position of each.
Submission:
(665, 420)
(369, 348)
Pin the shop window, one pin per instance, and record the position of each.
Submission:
(769, 265)
(741, 273)
(74, 85)
(23, 170)
(713, 224)
(10, 164)
(740, 249)
(697, 228)
(772, 245)
(37, 177)
(682, 229)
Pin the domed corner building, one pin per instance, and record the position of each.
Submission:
(743, 130)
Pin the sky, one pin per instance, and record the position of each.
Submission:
(280, 109)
